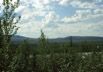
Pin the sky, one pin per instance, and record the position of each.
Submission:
(60, 18)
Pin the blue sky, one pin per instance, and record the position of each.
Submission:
(60, 18)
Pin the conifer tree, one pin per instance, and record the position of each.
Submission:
(84, 46)
(1, 34)
(71, 43)
(42, 43)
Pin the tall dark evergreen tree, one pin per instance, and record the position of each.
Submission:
(1, 34)
(42, 44)
(84, 46)
(71, 42)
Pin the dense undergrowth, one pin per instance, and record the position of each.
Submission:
(46, 57)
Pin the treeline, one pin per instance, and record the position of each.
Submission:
(85, 46)
(50, 58)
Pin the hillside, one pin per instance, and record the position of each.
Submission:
(20, 39)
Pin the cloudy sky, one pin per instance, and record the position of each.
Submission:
(60, 18)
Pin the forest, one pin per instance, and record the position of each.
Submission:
(44, 56)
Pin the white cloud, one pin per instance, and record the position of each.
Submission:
(95, 17)
(98, 11)
(91, 1)
(81, 29)
(72, 19)
(83, 4)
(89, 18)
(40, 14)
(20, 8)
(50, 19)
(83, 11)
(65, 2)
(46, 2)
(1, 1)
(50, 2)
(37, 4)
(80, 15)
(91, 4)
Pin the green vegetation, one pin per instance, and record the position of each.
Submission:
(44, 56)
(52, 57)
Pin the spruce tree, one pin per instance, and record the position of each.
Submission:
(42, 44)
(1, 33)
(71, 43)
(84, 46)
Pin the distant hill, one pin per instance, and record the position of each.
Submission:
(81, 38)
(20, 39)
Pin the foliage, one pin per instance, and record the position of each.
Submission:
(8, 28)
(43, 44)
(61, 58)
(8, 21)
(24, 59)
(71, 43)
